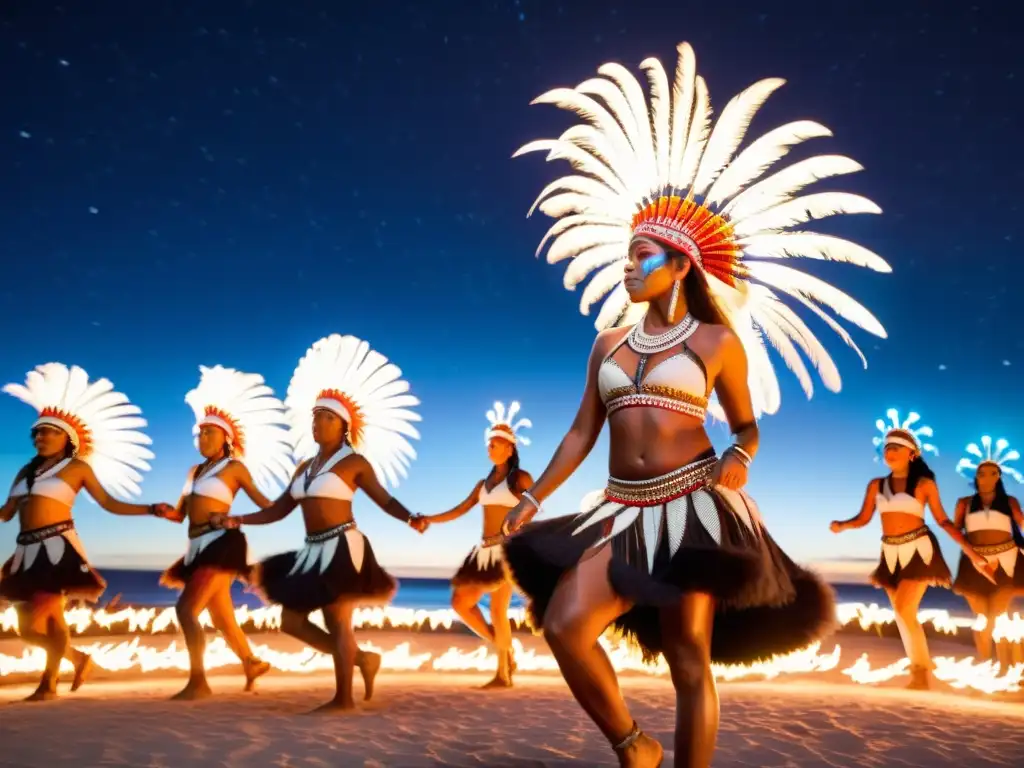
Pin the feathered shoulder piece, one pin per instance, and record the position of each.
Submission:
(908, 432)
(664, 171)
(344, 375)
(253, 419)
(998, 453)
(104, 427)
(502, 423)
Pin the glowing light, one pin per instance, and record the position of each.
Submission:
(134, 654)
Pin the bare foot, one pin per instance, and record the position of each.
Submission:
(254, 668)
(369, 666)
(193, 691)
(498, 682)
(82, 671)
(43, 693)
(645, 752)
(335, 707)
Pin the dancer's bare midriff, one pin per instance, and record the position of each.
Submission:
(494, 517)
(648, 442)
(199, 509)
(320, 514)
(900, 523)
(36, 512)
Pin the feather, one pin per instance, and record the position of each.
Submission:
(802, 209)
(794, 282)
(761, 155)
(661, 110)
(580, 185)
(374, 387)
(580, 159)
(264, 438)
(682, 109)
(730, 129)
(578, 240)
(768, 304)
(601, 283)
(780, 339)
(782, 186)
(111, 441)
(614, 309)
(811, 245)
(644, 147)
(566, 223)
(697, 136)
(591, 260)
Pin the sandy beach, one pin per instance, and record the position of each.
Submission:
(438, 718)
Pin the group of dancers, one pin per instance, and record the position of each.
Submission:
(986, 525)
(690, 240)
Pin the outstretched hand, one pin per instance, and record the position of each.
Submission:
(419, 523)
(167, 512)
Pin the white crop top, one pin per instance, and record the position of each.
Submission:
(209, 484)
(887, 501)
(325, 484)
(48, 486)
(677, 383)
(988, 520)
(499, 496)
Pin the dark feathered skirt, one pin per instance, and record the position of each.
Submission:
(914, 556)
(670, 536)
(1009, 559)
(50, 560)
(221, 550)
(334, 564)
(484, 566)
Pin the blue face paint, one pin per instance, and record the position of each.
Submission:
(655, 262)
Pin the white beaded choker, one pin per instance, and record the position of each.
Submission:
(646, 344)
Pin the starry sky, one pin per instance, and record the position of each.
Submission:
(225, 182)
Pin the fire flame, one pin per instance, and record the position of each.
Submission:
(133, 654)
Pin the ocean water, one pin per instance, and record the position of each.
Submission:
(142, 588)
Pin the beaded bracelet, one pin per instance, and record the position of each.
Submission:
(532, 499)
(741, 455)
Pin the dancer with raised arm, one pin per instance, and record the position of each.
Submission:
(673, 551)
(483, 572)
(991, 520)
(87, 436)
(351, 422)
(242, 435)
(911, 560)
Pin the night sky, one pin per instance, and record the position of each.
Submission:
(191, 183)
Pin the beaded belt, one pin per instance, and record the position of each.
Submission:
(666, 398)
(492, 541)
(47, 532)
(330, 533)
(661, 490)
(986, 550)
(905, 538)
(195, 531)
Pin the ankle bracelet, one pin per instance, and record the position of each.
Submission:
(627, 742)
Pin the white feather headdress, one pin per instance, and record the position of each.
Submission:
(252, 417)
(344, 375)
(1001, 457)
(903, 432)
(102, 424)
(663, 172)
(501, 424)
